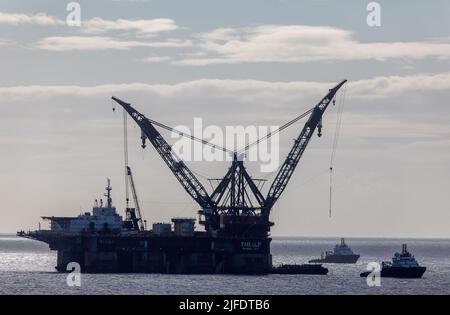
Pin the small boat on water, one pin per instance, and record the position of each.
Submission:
(342, 254)
(403, 265)
(305, 269)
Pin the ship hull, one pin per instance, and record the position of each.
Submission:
(400, 272)
(337, 259)
(145, 253)
(301, 270)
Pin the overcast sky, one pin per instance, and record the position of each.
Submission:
(230, 63)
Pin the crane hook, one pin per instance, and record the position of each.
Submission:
(319, 128)
(143, 138)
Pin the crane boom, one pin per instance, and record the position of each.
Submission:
(186, 178)
(135, 199)
(287, 169)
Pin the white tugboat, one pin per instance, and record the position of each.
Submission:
(342, 254)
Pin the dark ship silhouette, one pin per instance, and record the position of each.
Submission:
(305, 269)
(342, 254)
(403, 265)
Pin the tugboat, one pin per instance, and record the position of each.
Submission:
(306, 269)
(342, 254)
(403, 265)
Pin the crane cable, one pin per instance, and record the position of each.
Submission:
(340, 110)
(125, 153)
(217, 147)
(278, 130)
(183, 134)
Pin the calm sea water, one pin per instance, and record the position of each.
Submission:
(27, 267)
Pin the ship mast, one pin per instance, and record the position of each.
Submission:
(108, 194)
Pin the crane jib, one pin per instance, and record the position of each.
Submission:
(186, 178)
(287, 169)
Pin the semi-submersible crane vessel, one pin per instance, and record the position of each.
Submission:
(235, 217)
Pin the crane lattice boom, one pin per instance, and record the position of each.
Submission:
(287, 169)
(187, 179)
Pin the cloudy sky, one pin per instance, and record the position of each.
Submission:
(231, 63)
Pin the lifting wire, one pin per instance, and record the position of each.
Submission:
(217, 147)
(270, 134)
(205, 142)
(125, 151)
(214, 146)
(340, 109)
